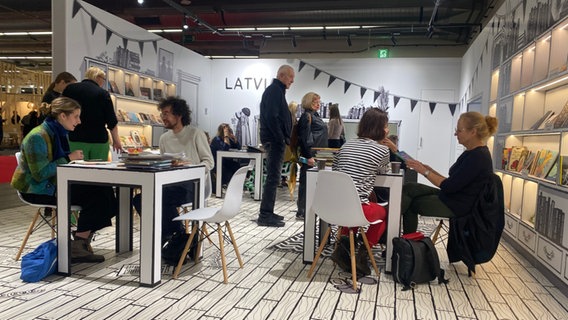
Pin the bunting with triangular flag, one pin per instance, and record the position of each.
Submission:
(432, 107)
(452, 108)
(331, 79)
(302, 64)
(316, 73)
(395, 99)
(363, 90)
(412, 104)
(346, 86)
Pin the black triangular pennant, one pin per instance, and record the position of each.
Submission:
(155, 44)
(452, 108)
(125, 42)
(376, 95)
(432, 107)
(331, 79)
(396, 99)
(346, 86)
(141, 45)
(76, 8)
(94, 23)
(412, 104)
(316, 73)
(363, 90)
(302, 64)
(108, 35)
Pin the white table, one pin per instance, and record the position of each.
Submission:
(391, 181)
(151, 183)
(241, 154)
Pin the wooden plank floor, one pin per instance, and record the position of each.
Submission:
(272, 284)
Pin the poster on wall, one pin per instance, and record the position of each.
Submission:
(165, 64)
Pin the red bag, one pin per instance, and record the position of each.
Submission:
(416, 236)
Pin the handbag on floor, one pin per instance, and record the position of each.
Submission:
(415, 260)
(39, 263)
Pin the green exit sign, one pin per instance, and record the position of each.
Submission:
(383, 53)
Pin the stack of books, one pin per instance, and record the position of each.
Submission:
(326, 154)
(150, 161)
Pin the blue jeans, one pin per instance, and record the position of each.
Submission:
(274, 158)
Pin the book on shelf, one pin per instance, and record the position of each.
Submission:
(505, 158)
(514, 157)
(534, 162)
(128, 90)
(553, 173)
(529, 160)
(563, 170)
(113, 87)
(548, 123)
(541, 120)
(526, 152)
(157, 94)
(145, 92)
(133, 117)
(120, 115)
(545, 162)
(561, 120)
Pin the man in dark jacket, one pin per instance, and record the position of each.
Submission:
(275, 130)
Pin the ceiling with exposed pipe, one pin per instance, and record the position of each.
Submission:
(269, 28)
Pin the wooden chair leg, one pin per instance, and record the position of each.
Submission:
(353, 263)
(320, 249)
(222, 248)
(228, 226)
(28, 233)
(437, 232)
(184, 253)
(369, 251)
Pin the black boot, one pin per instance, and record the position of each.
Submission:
(362, 260)
(341, 255)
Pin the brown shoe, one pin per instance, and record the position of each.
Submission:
(80, 252)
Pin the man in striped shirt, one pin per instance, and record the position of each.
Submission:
(363, 158)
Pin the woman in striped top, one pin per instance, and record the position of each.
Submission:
(363, 158)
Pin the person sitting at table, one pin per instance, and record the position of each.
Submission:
(312, 133)
(456, 193)
(45, 147)
(224, 140)
(181, 138)
(363, 158)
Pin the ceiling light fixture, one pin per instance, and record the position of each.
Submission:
(140, 1)
(185, 25)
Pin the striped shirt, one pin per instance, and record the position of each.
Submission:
(362, 159)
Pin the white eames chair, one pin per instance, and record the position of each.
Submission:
(215, 215)
(337, 202)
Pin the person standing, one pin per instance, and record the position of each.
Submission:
(96, 117)
(275, 130)
(91, 136)
(56, 88)
(312, 132)
(335, 127)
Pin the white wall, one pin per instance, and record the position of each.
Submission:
(81, 42)
(402, 77)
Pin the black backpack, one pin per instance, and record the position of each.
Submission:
(415, 261)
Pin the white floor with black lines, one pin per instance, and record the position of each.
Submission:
(272, 285)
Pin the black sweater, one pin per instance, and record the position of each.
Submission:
(466, 180)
